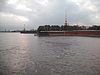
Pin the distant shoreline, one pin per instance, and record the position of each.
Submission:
(9, 31)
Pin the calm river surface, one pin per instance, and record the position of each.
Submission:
(26, 54)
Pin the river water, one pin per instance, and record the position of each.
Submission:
(26, 54)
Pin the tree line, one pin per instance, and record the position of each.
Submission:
(94, 27)
(66, 28)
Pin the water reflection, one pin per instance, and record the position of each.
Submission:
(32, 55)
(16, 60)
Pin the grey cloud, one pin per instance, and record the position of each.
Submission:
(2, 4)
(52, 14)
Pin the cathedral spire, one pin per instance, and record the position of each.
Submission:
(66, 21)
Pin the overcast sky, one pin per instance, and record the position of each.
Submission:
(15, 13)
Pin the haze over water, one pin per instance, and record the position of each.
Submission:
(26, 54)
